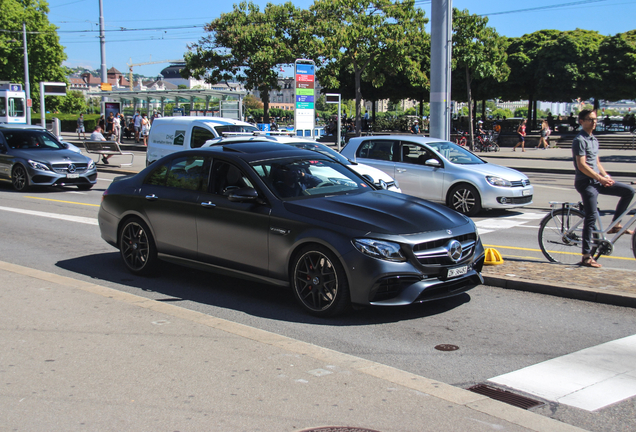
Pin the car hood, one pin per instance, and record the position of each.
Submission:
(51, 156)
(381, 211)
(495, 170)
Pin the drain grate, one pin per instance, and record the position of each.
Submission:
(337, 429)
(505, 396)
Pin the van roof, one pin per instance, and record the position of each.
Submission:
(201, 119)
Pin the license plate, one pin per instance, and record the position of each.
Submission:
(72, 175)
(457, 271)
(525, 192)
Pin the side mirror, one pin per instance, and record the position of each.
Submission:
(243, 195)
(433, 162)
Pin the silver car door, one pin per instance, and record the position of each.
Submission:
(417, 173)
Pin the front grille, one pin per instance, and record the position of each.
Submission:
(520, 183)
(62, 168)
(519, 200)
(436, 252)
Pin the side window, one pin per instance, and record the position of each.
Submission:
(188, 172)
(3, 106)
(200, 136)
(378, 149)
(226, 177)
(415, 153)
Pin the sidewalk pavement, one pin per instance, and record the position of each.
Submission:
(94, 358)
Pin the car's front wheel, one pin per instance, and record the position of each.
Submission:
(319, 282)
(137, 247)
(20, 178)
(465, 199)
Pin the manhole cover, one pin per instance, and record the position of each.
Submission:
(338, 429)
(446, 347)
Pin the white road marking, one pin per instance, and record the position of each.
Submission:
(84, 220)
(495, 224)
(589, 379)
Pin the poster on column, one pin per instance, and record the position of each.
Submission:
(304, 108)
(112, 107)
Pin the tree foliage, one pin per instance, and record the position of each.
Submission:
(246, 45)
(617, 67)
(479, 53)
(367, 38)
(43, 45)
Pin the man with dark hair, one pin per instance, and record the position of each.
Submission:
(591, 179)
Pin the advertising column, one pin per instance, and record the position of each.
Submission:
(305, 116)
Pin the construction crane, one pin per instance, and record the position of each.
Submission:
(131, 65)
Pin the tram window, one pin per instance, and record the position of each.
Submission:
(16, 107)
(3, 106)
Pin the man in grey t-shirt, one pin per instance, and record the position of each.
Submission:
(591, 179)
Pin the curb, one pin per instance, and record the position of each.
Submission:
(609, 297)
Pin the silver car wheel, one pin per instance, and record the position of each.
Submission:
(465, 199)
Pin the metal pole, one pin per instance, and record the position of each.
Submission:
(27, 86)
(339, 126)
(102, 45)
(42, 107)
(441, 45)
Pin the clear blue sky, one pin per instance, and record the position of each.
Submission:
(161, 29)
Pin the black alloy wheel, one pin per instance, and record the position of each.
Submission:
(137, 247)
(319, 282)
(465, 199)
(20, 179)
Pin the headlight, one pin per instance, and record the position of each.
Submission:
(38, 165)
(498, 181)
(91, 164)
(380, 249)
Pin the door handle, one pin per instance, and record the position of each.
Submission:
(401, 170)
(152, 197)
(208, 204)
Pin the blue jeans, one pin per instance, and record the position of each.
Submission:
(589, 190)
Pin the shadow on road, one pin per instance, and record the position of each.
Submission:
(188, 288)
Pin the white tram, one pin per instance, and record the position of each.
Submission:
(12, 104)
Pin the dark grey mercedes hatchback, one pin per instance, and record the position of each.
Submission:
(291, 217)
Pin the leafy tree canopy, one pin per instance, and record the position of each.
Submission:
(617, 67)
(43, 45)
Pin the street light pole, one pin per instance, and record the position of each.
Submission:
(27, 86)
(102, 44)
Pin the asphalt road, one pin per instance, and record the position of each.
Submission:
(497, 331)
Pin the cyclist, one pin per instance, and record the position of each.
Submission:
(591, 179)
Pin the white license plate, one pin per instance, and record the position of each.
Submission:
(457, 271)
(72, 175)
(525, 192)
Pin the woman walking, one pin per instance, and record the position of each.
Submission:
(117, 128)
(521, 131)
(145, 128)
(545, 133)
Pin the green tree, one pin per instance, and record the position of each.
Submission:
(246, 45)
(617, 67)
(479, 53)
(43, 45)
(362, 37)
(73, 103)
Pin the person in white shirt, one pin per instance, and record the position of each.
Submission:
(97, 136)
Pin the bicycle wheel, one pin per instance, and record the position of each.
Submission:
(560, 236)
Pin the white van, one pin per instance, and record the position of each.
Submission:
(171, 134)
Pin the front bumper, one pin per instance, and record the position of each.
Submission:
(384, 283)
(53, 178)
(503, 197)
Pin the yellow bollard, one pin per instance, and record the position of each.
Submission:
(493, 257)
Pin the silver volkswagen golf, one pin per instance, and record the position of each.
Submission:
(443, 172)
(31, 156)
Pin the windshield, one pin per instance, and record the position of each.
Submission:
(455, 154)
(31, 140)
(293, 178)
(323, 149)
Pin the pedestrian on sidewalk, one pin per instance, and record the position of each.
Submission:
(521, 131)
(137, 125)
(80, 126)
(545, 133)
(145, 128)
(117, 128)
(590, 180)
(97, 136)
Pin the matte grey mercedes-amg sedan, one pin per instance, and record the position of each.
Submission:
(291, 217)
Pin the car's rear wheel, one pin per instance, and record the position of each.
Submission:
(20, 178)
(137, 247)
(465, 199)
(319, 282)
